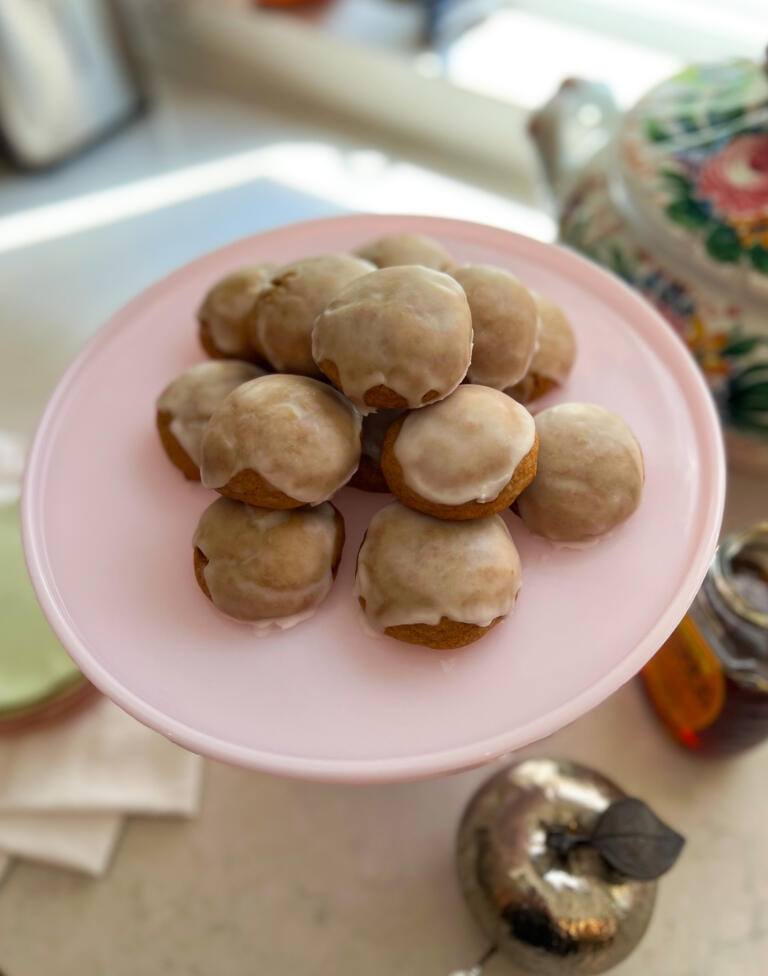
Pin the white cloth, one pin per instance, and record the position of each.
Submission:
(65, 787)
(84, 842)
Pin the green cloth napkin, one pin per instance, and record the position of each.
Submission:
(34, 667)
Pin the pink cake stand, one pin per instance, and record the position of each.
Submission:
(108, 524)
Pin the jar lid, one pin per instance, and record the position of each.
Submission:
(693, 167)
(736, 588)
(739, 575)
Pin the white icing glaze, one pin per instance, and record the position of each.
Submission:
(267, 567)
(301, 435)
(398, 249)
(590, 474)
(375, 427)
(407, 328)
(415, 569)
(465, 448)
(282, 319)
(362, 620)
(263, 627)
(226, 306)
(192, 397)
(505, 324)
(553, 360)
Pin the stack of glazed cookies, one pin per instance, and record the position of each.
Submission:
(391, 370)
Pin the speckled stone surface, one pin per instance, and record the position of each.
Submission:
(284, 876)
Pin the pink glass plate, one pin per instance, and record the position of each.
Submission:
(108, 525)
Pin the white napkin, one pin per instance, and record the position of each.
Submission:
(65, 787)
(80, 841)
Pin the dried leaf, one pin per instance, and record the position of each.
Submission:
(632, 839)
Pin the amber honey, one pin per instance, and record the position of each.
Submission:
(709, 681)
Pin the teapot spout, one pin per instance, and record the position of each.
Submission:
(570, 129)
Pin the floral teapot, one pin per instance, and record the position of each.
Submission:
(673, 197)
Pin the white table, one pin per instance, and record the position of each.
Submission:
(282, 876)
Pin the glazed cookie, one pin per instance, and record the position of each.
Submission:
(267, 567)
(467, 457)
(397, 249)
(280, 323)
(427, 581)
(505, 324)
(553, 360)
(399, 337)
(223, 315)
(368, 476)
(185, 406)
(590, 475)
(280, 442)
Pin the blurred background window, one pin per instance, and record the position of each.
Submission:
(520, 50)
(523, 49)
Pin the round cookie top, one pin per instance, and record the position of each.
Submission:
(505, 323)
(416, 569)
(554, 358)
(226, 306)
(397, 249)
(282, 318)
(300, 435)
(262, 565)
(191, 398)
(464, 448)
(407, 329)
(590, 474)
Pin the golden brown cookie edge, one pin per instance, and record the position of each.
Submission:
(379, 397)
(250, 487)
(522, 476)
(443, 636)
(251, 355)
(174, 451)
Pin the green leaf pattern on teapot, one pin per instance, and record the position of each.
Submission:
(688, 225)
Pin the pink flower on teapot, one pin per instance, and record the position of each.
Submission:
(735, 180)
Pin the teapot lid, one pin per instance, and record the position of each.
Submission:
(693, 165)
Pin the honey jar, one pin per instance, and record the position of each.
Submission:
(709, 681)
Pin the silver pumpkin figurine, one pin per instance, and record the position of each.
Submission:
(550, 914)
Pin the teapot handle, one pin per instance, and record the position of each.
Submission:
(571, 128)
